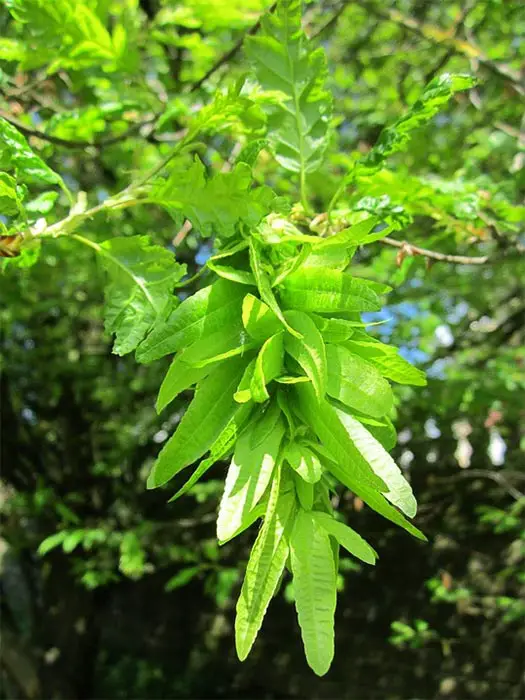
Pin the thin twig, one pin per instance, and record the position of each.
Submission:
(461, 47)
(227, 57)
(458, 27)
(516, 251)
(70, 143)
(332, 21)
(498, 477)
(410, 249)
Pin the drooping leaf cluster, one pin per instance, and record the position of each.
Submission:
(288, 384)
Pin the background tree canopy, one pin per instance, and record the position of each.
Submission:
(107, 590)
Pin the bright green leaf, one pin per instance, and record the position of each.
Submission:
(206, 417)
(298, 123)
(258, 319)
(205, 312)
(314, 579)
(248, 477)
(268, 366)
(305, 462)
(324, 291)
(400, 492)
(309, 351)
(142, 277)
(347, 538)
(265, 567)
(357, 383)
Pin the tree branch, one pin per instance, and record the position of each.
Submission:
(332, 21)
(70, 143)
(516, 251)
(439, 37)
(500, 478)
(410, 249)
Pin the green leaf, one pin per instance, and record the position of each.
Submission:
(292, 380)
(220, 448)
(356, 235)
(243, 393)
(400, 491)
(51, 542)
(205, 312)
(264, 285)
(182, 578)
(305, 462)
(381, 428)
(268, 366)
(142, 277)
(325, 423)
(314, 580)
(180, 376)
(16, 154)
(206, 417)
(333, 330)
(347, 538)
(305, 492)
(291, 264)
(231, 273)
(357, 383)
(309, 351)
(265, 567)
(42, 204)
(325, 291)
(250, 152)
(10, 203)
(335, 258)
(298, 122)
(349, 467)
(265, 425)
(394, 138)
(219, 346)
(29, 255)
(248, 477)
(375, 500)
(258, 319)
(72, 540)
(216, 205)
(11, 50)
(388, 360)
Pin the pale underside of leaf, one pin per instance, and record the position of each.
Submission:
(265, 567)
(400, 491)
(248, 477)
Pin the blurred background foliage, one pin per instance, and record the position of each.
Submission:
(107, 591)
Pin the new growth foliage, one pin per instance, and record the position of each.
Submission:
(289, 385)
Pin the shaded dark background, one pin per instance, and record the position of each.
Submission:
(136, 599)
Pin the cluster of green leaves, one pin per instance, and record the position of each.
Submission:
(68, 35)
(288, 383)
